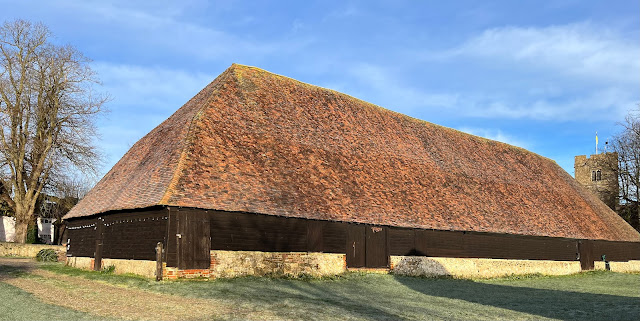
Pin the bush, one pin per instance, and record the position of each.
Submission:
(47, 255)
(108, 269)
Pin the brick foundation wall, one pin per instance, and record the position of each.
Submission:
(172, 273)
(478, 268)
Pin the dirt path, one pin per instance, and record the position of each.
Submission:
(107, 300)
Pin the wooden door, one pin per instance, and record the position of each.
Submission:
(356, 246)
(585, 248)
(194, 241)
(314, 236)
(376, 247)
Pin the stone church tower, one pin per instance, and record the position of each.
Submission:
(598, 173)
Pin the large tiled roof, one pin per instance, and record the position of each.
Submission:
(253, 141)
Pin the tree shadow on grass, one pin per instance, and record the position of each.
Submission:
(15, 267)
(556, 304)
(298, 299)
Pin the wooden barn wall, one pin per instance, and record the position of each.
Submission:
(125, 235)
(250, 232)
(616, 251)
(133, 235)
(480, 245)
(247, 231)
(82, 237)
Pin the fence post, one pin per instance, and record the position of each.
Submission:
(159, 261)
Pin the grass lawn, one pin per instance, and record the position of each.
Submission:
(16, 304)
(355, 296)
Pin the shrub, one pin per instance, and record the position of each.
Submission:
(108, 269)
(47, 255)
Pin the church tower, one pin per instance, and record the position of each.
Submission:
(598, 173)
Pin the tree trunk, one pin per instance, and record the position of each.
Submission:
(636, 220)
(24, 218)
(22, 226)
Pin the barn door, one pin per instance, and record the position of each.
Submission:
(356, 243)
(376, 247)
(585, 248)
(367, 246)
(193, 240)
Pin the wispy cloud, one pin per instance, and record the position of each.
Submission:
(578, 50)
(606, 104)
(401, 96)
(546, 102)
(557, 73)
(167, 30)
(155, 87)
(142, 98)
(495, 134)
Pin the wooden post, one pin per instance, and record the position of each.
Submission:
(159, 261)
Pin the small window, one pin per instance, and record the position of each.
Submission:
(598, 175)
(593, 176)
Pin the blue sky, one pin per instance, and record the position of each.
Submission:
(543, 75)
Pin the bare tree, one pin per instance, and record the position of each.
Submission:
(58, 198)
(627, 145)
(47, 114)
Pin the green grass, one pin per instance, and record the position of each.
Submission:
(16, 304)
(357, 296)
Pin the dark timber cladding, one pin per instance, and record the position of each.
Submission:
(124, 235)
(189, 241)
(189, 235)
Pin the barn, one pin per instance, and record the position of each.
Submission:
(262, 174)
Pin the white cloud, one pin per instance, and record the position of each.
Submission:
(143, 97)
(166, 30)
(578, 50)
(162, 89)
(404, 97)
(606, 104)
(346, 12)
(495, 134)
(547, 102)
(561, 73)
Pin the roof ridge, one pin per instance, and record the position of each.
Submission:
(236, 67)
(164, 200)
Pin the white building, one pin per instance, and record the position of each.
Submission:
(7, 229)
(46, 230)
